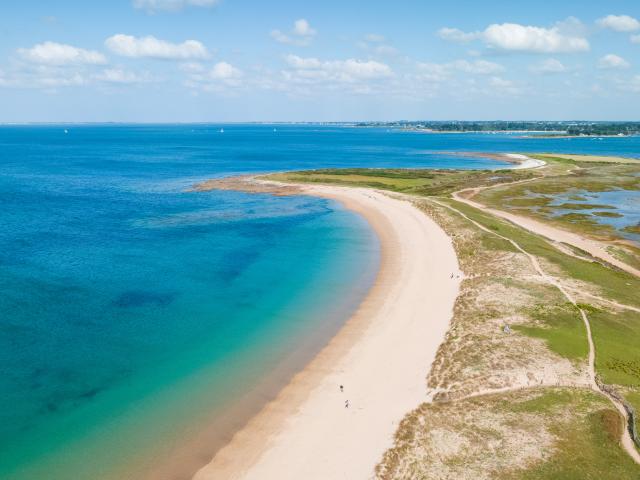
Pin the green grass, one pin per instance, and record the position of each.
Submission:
(413, 181)
(608, 214)
(583, 426)
(587, 448)
(546, 402)
(617, 342)
(632, 229)
(633, 397)
(583, 206)
(562, 330)
(629, 255)
(590, 158)
(615, 284)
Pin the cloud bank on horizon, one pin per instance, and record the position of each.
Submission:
(204, 60)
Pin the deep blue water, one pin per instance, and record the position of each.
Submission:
(122, 292)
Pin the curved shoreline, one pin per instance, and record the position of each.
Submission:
(382, 356)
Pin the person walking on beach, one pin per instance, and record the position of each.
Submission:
(341, 389)
(346, 404)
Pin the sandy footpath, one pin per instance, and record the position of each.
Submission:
(593, 247)
(382, 357)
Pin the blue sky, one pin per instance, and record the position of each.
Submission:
(249, 60)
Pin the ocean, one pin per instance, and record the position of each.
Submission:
(134, 311)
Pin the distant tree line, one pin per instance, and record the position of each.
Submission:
(576, 128)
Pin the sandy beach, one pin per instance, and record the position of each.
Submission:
(381, 356)
(525, 161)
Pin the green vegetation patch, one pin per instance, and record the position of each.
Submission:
(633, 397)
(413, 181)
(615, 284)
(617, 342)
(587, 449)
(561, 326)
(632, 229)
(628, 254)
(535, 434)
(584, 206)
(608, 214)
(591, 158)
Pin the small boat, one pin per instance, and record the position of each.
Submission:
(222, 130)
(66, 131)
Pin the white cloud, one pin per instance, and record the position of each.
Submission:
(51, 53)
(280, 37)
(221, 77)
(385, 50)
(434, 72)
(341, 70)
(500, 82)
(120, 76)
(627, 84)
(45, 76)
(307, 76)
(152, 6)
(151, 47)
(503, 86)
(224, 71)
(523, 38)
(635, 38)
(301, 34)
(619, 23)
(612, 61)
(375, 45)
(480, 67)
(74, 80)
(439, 72)
(192, 67)
(302, 28)
(563, 37)
(633, 85)
(457, 35)
(550, 65)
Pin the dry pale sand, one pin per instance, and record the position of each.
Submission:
(382, 357)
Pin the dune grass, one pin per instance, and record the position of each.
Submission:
(411, 181)
(588, 158)
(543, 434)
(614, 284)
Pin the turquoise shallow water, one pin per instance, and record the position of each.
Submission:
(132, 309)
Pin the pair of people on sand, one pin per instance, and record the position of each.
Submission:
(346, 402)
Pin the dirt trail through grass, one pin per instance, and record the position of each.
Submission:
(626, 440)
(592, 247)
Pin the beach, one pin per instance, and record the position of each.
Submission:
(381, 358)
